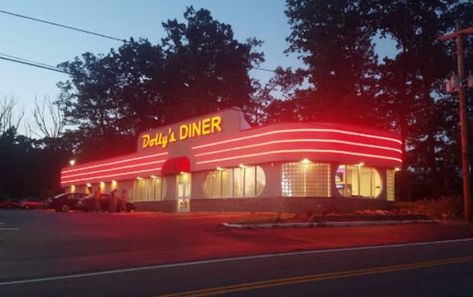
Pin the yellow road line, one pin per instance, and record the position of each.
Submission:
(317, 277)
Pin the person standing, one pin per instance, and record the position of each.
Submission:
(124, 201)
(97, 197)
(113, 201)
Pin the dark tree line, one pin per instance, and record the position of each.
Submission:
(199, 67)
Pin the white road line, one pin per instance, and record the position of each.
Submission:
(9, 229)
(222, 260)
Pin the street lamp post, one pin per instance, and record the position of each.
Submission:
(458, 35)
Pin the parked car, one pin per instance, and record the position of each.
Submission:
(29, 203)
(88, 204)
(10, 203)
(64, 202)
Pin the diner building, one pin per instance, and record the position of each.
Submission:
(218, 162)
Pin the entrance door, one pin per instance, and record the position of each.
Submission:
(183, 191)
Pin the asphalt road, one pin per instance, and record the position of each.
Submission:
(48, 254)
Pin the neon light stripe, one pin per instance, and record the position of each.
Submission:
(298, 140)
(301, 151)
(297, 130)
(115, 162)
(109, 175)
(112, 169)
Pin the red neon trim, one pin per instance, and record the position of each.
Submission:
(112, 169)
(301, 151)
(115, 162)
(298, 140)
(298, 130)
(109, 175)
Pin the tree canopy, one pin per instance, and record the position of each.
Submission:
(197, 68)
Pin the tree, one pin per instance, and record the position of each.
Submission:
(199, 67)
(8, 117)
(333, 38)
(48, 118)
(412, 94)
(207, 68)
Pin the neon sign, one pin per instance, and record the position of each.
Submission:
(195, 129)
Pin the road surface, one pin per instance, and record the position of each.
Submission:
(49, 254)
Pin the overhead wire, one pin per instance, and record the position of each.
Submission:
(53, 68)
(31, 63)
(61, 25)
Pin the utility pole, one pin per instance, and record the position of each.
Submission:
(458, 35)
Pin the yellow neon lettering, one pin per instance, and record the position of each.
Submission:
(172, 138)
(216, 121)
(206, 127)
(146, 138)
(196, 128)
(164, 143)
(183, 132)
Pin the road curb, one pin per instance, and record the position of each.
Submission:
(326, 224)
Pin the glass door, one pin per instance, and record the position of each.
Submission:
(183, 191)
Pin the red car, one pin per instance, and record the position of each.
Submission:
(29, 203)
(10, 203)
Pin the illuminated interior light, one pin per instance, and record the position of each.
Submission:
(300, 130)
(300, 140)
(153, 176)
(112, 169)
(219, 168)
(139, 178)
(88, 185)
(102, 183)
(361, 164)
(305, 161)
(397, 169)
(301, 151)
(241, 166)
(114, 162)
(72, 162)
(63, 181)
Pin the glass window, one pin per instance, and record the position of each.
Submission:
(238, 182)
(250, 181)
(260, 180)
(305, 179)
(358, 181)
(227, 182)
(148, 189)
(244, 181)
(390, 189)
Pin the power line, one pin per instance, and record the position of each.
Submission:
(31, 63)
(264, 69)
(26, 60)
(62, 26)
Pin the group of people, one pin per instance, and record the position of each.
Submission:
(116, 203)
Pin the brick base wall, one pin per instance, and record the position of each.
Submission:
(287, 204)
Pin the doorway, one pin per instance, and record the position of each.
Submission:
(183, 191)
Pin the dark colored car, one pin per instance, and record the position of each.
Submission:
(88, 204)
(10, 203)
(29, 203)
(64, 202)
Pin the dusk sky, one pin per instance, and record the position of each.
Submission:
(263, 19)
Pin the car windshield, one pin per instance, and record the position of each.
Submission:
(87, 197)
